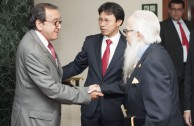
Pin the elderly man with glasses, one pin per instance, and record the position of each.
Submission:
(39, 91)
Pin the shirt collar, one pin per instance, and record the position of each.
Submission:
(42, 38)
(114, 38)
(175, 22)
(142, 50)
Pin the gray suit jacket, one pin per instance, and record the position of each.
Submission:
(39, 92)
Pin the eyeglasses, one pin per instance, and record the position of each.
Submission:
(56, 23)
(176, 9)
(125, 31)
(106, 21)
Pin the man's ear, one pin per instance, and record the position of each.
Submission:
(139, 36)
(119, 22)
(39, 25)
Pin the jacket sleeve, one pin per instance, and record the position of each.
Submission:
(48, 82)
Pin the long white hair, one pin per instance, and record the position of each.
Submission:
(147, 25)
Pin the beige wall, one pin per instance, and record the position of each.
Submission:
(79, 20)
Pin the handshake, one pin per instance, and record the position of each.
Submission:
(95, 91)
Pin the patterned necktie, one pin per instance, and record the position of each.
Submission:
(52, 50)
(184, 38)
(105, 57)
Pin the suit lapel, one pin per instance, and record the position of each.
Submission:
(139, 64)
(173, 29)
(33, 33)
(97, 48)
(188, 24)
(52, 59)
(60, 71)
(146, 53)
(118, 52)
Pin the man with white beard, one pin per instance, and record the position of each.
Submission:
(149, 76)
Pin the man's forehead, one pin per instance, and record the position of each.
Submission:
(52, 14)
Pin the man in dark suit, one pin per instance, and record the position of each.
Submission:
(173, 42)
(105, 111)
(189, 84)
(149, 74)
(39, 92)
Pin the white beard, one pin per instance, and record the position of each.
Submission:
(131, 58)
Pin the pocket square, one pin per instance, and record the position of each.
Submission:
(139, 66)
(135, 81)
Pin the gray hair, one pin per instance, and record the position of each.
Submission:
(147, 24)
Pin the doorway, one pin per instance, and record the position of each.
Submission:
(191, 10)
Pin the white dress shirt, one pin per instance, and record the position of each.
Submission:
(187, 33)
(113, 45)
(44, 41)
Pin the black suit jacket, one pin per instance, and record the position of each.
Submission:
(172, 43)
(90, 56)
(152, 91)
(189, 78)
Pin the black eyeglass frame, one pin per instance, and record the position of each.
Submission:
(125, 31)
(56, 23)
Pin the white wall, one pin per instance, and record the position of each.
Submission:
(79, 20)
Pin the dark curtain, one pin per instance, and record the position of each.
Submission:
(13, 25)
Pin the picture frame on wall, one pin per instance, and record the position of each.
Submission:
(150, 7)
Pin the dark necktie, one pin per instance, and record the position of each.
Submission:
(105, 57)
(52, 50)
(184, 38)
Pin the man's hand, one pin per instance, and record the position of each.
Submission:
(95, 95)
(187, 118)
(95, 91)
(94, 87)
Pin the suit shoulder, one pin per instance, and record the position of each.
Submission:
(164, 22)
(192, 32)
(187, 21)
(123, 38)
(94, 36)
(159, 53)
(27, 45)
(189, 24)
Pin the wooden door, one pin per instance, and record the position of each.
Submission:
(192, 14)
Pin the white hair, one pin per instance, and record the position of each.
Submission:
(146, 31)
(131, 58)
(147, 24)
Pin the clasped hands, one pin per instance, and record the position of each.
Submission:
(95, 91)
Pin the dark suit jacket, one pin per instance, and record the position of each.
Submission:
(172, 43)
(152, 90)
(90, 56)
(189, 78)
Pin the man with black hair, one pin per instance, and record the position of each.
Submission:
(103, 55)
(175, 33)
